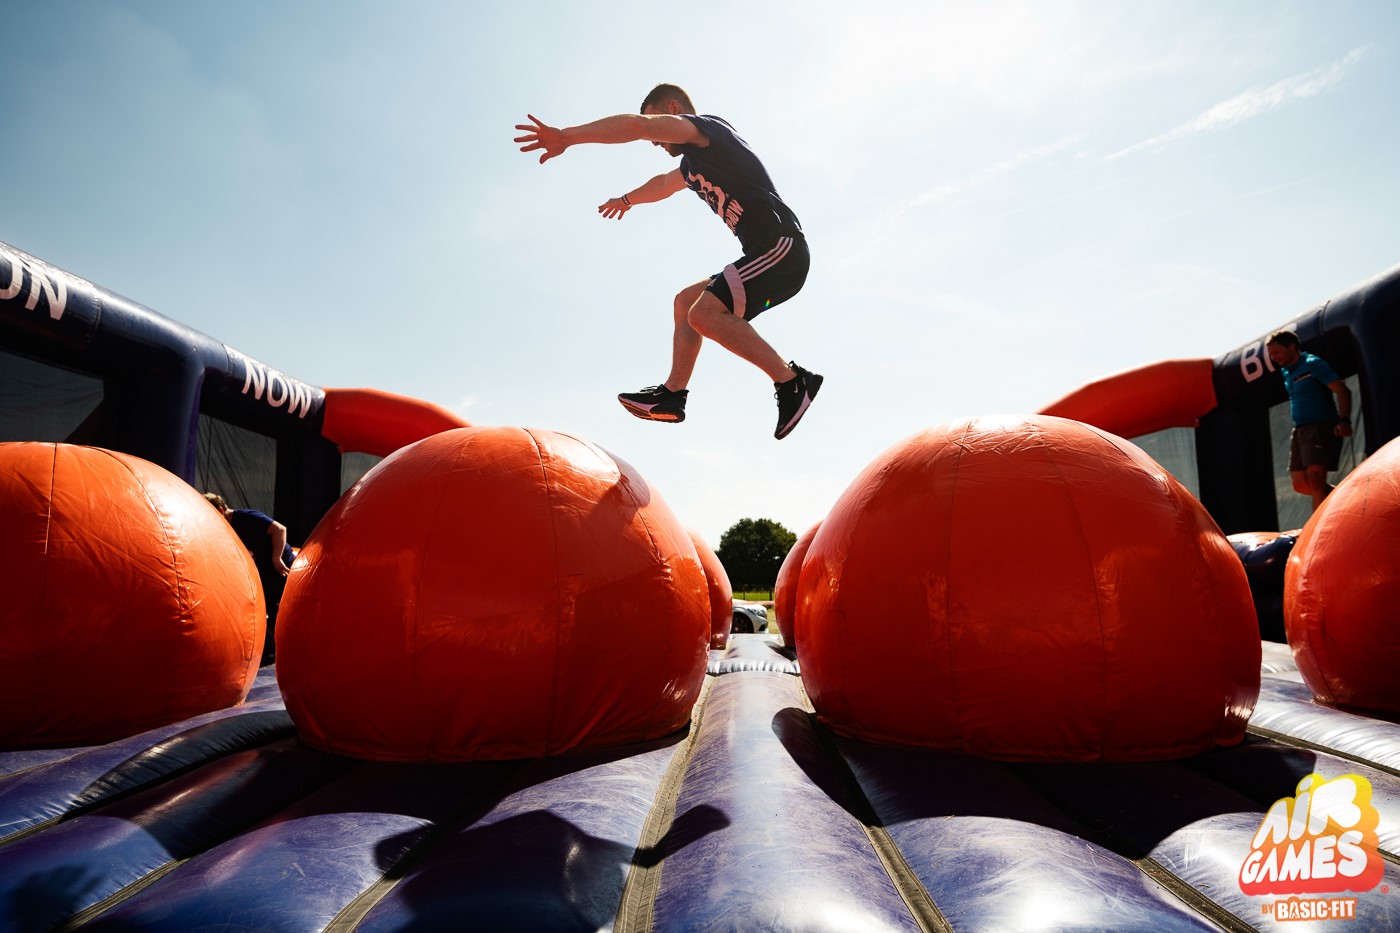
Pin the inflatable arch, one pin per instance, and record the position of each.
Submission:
(1227, 400)
(155, 378)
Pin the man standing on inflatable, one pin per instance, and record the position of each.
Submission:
(1320, 421)
(721, 168)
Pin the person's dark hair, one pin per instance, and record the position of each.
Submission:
(664, 93)
(1285, 338)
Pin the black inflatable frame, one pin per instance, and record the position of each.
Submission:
(159, 376)
(1358, 333)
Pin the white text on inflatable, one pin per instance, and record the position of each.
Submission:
(1299, 908)
(53, 289)
(280, 390)
(1254, 362)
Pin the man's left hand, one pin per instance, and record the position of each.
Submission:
(1343, 429)
(614, 208)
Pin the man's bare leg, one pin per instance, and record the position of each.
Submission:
(710, 318)
(1300, 482)
(707, 317)
(1318, 486)
(667, 401)
(685, 341)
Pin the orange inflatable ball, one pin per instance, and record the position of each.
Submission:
(785, 589)
(129, 602)
(721, 592)
(493, 592)
(1027, 588)
(1341, 590)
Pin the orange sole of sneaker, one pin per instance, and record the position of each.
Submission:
(649, 416)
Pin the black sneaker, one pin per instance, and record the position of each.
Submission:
(793, 398)
(656, 403)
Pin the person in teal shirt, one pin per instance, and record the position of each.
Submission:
(1320, 405)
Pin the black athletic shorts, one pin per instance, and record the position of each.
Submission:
(753, 284)
(1313, 444)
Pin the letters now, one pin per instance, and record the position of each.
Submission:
(280, 389)
(54, 290)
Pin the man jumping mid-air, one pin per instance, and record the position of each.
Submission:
(721, 168)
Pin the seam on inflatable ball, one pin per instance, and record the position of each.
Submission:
(638, 902)
(1095, 581)
(183, 607)
(48, 535)
(558, 589)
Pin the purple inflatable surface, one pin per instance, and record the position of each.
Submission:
(755, 818)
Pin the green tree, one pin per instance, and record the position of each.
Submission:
(752, 551)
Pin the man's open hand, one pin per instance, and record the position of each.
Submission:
(613, 208)
(541, 136)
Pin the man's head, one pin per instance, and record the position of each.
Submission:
(667, 99)
(217, 501)
(1283, 348)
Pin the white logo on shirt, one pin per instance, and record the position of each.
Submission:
(726, 207)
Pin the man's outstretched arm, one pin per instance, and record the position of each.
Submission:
(656, 189)
(619, 128)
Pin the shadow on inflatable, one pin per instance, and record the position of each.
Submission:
(1100, 728)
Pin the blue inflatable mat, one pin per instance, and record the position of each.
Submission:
(754, 818)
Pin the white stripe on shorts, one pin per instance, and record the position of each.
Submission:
(768, 260)
(736, 277)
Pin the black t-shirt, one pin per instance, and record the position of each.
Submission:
(728, 176)
(251, 527)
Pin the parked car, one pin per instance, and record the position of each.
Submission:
(750, 618)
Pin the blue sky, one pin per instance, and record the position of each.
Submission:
(1003, 200)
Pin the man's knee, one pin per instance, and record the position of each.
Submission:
(1300, 483)
(705, 312)
(686, 299)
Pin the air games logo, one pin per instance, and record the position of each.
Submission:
(1323, 841)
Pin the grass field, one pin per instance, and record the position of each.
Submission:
(755, 596)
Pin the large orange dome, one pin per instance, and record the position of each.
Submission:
(1341, 596)
(128, 602)
(1027, 587)
(493, 592)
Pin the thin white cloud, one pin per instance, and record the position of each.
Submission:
(1252, 103)
(995, 170)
